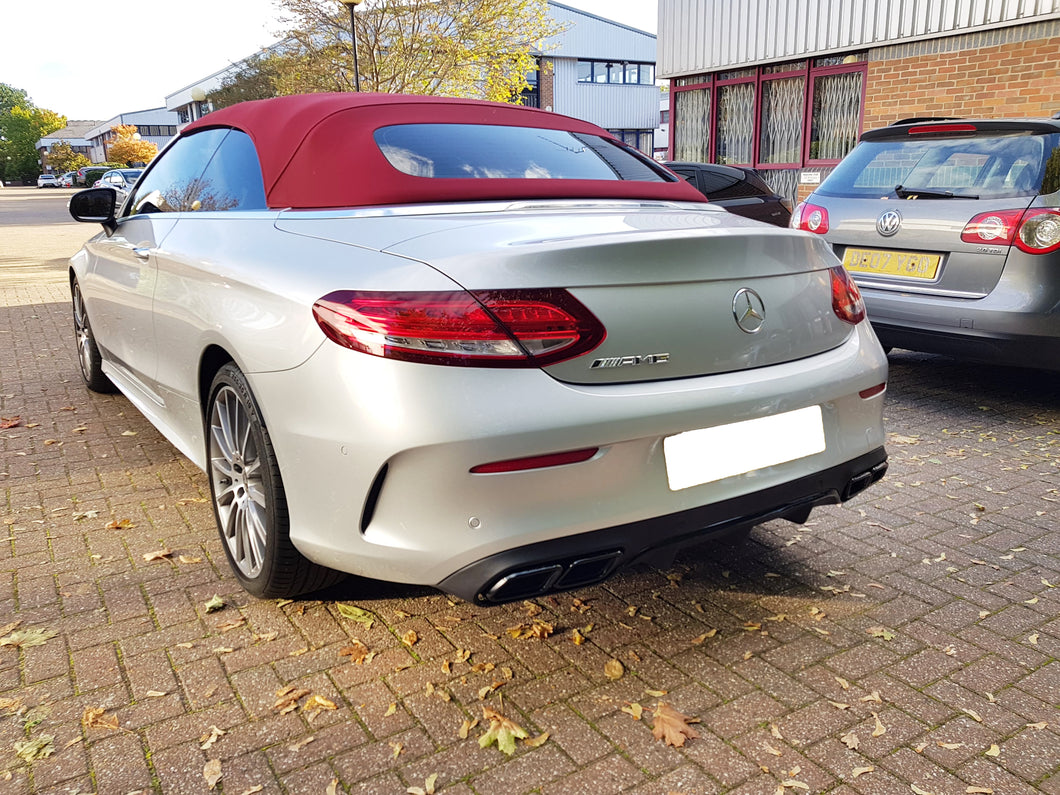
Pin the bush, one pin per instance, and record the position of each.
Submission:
(92, 174)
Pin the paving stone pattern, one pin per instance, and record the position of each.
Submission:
(906, 641)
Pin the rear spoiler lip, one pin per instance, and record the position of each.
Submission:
(1032, 126)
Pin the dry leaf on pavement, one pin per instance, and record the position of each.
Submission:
(501, 730)
(880, 729)
(356, 614)
(535, 629)
(671, 726)
(212, 772)
(851, 741)
(410, 638)
(357, 652)
(24, 638)
(613, 669)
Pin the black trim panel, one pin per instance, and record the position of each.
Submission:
(546, 566)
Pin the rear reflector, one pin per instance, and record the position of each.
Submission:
(496, 328)
(872, 391)
(537, 461)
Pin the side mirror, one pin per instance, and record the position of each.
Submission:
(96, 206)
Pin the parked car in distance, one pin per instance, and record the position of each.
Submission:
(67, 180)
(738, 189)
(951, 227)
(497, 351)
(120, 179)
(89, 175)
(47, 181)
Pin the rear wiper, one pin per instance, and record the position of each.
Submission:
(903, 193)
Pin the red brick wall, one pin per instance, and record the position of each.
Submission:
(1015, 79)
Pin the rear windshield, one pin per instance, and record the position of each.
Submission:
(479, 151)
(979, 167)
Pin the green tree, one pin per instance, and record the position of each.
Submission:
(255, 79)
(11, 96)
(62, 157)
(20, 129)
(461, 48)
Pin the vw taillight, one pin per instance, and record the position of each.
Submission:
(810, 218)
(1035, 231)
(491, 328)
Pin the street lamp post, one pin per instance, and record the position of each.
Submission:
(352, 4)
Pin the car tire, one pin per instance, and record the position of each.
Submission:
(91, 363)
(249, 502)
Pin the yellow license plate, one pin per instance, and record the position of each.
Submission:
(906, 264)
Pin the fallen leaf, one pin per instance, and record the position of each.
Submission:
(356, 651)
(40, 747)
(671, 726)
(613, 669)
(860, 771)
(212, 772)
(96, 718)
(213, 604)
(993, 751)
(793, 784)
(252, 790)
(769, 749)
(207, 740)
(775, 731)
(972, 714)
(390, 710)
(9, 422)
(188, 559)
(332, 788)
(128, 433)
(356, 614)
(980, 790)
(25, 638)
(851, 741)
(501, 730)
(880, 729)
(410, 638)
(577, 637)
(466, 727)
(1033, 639)
(298, 746)
(710, 633)
(287, 699)
(656, 693)
(950, 746)
(397, 748)
(839, 705)
(918, 791)
(531, 608)
(881, 632)
(120, 524)
(536, 742)
(1041, 725)
(232, 623)
(634, 709)
(315, 704)
(843, 683)
(536, 629)
(874, 696)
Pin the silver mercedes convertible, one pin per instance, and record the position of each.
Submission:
(469, 345)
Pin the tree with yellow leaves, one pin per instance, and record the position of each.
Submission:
(482, 49)
(125, 146)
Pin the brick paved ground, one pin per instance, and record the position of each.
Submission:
(907, 641)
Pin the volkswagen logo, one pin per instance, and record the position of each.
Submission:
(889, 222)
(748, 310)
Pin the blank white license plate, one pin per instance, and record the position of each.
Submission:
(709, 454)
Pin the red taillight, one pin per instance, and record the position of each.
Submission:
(810, 218)
(1035, 231)
(536, 461)
(847, 302)
(496, 328)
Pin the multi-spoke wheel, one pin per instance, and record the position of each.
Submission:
(248, 497)
(87, 351)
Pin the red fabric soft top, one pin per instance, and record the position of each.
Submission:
(318, 151)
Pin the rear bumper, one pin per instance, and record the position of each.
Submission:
(577, 561)
(1042, 353)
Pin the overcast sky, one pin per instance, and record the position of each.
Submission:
(126, 55)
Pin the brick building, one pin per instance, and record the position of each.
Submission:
(787, 86)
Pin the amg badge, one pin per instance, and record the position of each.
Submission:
(631, 361)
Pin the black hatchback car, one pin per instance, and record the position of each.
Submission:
(951, 228)
(739, 190)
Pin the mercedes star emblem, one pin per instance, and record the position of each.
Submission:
(748, 310)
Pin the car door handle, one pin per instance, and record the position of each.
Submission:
(143, 252)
